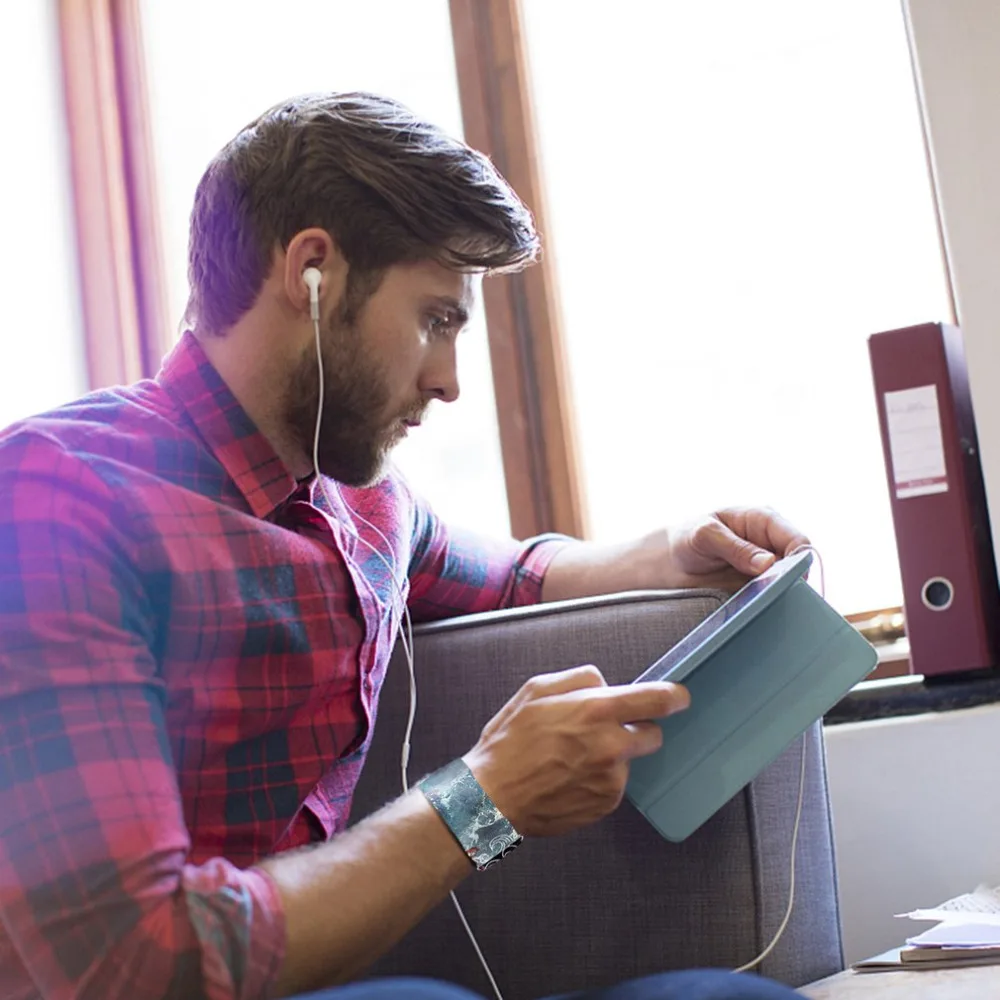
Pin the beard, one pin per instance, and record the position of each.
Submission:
(355, 435)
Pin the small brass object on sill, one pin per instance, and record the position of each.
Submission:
(883, 628)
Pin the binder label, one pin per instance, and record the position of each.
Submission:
(915, 442)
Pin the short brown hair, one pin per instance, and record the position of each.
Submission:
(388, 187)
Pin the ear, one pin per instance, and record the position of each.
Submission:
(313, 248)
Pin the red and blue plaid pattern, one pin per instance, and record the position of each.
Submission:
(191, 653)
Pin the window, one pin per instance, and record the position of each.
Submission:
(738, 197)
(41, 358)
(214, 67)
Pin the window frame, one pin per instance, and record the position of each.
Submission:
(124, 281)
(530, 373)
(115, 215)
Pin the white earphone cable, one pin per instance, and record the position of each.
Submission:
(798, 809)
(791, 881)
(406, 629)
(406, 640)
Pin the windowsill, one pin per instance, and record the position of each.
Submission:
(893, 661)
(893, 652)
(909, 694)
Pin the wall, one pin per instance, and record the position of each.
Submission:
(956, 46)
(916, 806)
(916, 801)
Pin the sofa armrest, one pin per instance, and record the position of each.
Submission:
(615, 900)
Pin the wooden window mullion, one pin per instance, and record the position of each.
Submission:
(530, 375)
(114, 207)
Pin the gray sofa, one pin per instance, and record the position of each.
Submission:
(615, 900)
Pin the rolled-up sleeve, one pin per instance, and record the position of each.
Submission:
(97, 898)
(456, 572)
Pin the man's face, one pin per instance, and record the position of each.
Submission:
(383, 363)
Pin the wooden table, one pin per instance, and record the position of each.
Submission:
(981, 983)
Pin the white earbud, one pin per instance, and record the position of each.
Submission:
(312, 277)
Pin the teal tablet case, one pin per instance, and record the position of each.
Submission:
(759, 677)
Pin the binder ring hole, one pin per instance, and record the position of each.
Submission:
(937, 594)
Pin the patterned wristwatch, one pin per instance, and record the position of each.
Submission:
(486, 835)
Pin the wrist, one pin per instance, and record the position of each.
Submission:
(588, 568)
(483, 765)
(651, 560)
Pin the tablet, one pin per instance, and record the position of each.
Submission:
(746, 603)
(761, 670)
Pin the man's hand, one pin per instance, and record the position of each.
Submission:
(726, 547)
(718, 551)
(556, 756)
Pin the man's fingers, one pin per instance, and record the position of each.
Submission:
(555, 683)
(564, 681)
(765, 532)
(641, 702)
(644, 738)
(742, 554)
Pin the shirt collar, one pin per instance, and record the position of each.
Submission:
(235, 440)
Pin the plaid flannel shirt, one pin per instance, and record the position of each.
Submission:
(191, 652)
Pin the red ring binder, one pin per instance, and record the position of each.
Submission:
(950, 592)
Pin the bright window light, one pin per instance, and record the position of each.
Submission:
(738, 197)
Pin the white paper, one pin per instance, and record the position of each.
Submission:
(958, 935)
(915, 441)
(983, 902)
(950, 915)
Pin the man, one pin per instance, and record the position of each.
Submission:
(194, 627)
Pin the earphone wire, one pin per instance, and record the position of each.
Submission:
(406, 624)
(406, 640)
(406, 630)
(798, 809)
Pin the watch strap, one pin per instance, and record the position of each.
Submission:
(483, 832)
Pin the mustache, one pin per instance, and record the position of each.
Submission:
(417, 414)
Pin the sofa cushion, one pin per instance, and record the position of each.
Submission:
(615, 900)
